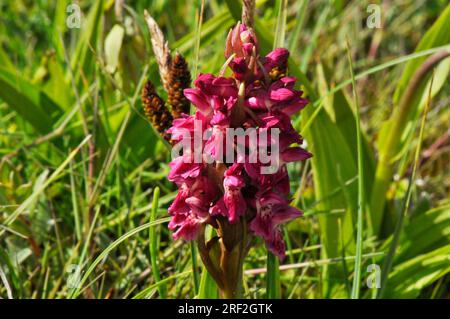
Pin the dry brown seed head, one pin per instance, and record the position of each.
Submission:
(179, 79)
(156, 110)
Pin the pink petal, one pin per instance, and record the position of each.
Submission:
(295, 154)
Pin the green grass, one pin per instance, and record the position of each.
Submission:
(361, 195)
(83, 176)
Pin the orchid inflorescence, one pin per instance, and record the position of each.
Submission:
(258, 95)
(237, 198)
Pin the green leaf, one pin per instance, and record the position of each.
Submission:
(208, 287)
(29, 102)
(410, 277)
(56, 86)
(234, 7)
(436, 36)
(425, 232)
(5, 61)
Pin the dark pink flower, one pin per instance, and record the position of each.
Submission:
(183, 167)
(272, 211)
(280, 96)
(190, 208)
(188, 229)
(240, 191)
(277, 57)
(199, 99)
(233, 199)
(239, 67)
(220, 86)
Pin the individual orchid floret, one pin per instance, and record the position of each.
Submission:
(272, 211)
(234, 201)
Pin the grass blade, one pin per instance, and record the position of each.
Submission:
(111, 247)
(198, 36)
(313, 41)
(154, 245)
(299, 20)
(361, 199)
(30, 200)
(280, 31)
(144, 293)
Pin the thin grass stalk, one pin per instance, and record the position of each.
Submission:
(321, 22)
(110, 248)
(6, 284)
(76, 211)
(153, 239)
(198, 36)
(299, 21)
(387, 265)
(280, 30)
(148, 291)
(361, 198)
(86, 246)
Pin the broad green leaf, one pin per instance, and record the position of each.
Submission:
(436, 36)
(425, 232)
(28, 101)
(56, 86)
(208, 288)
(410, 277)
(5, 61)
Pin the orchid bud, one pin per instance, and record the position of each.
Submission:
(241, 41)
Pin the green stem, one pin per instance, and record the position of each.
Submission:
(195, 267)
(273, 277)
